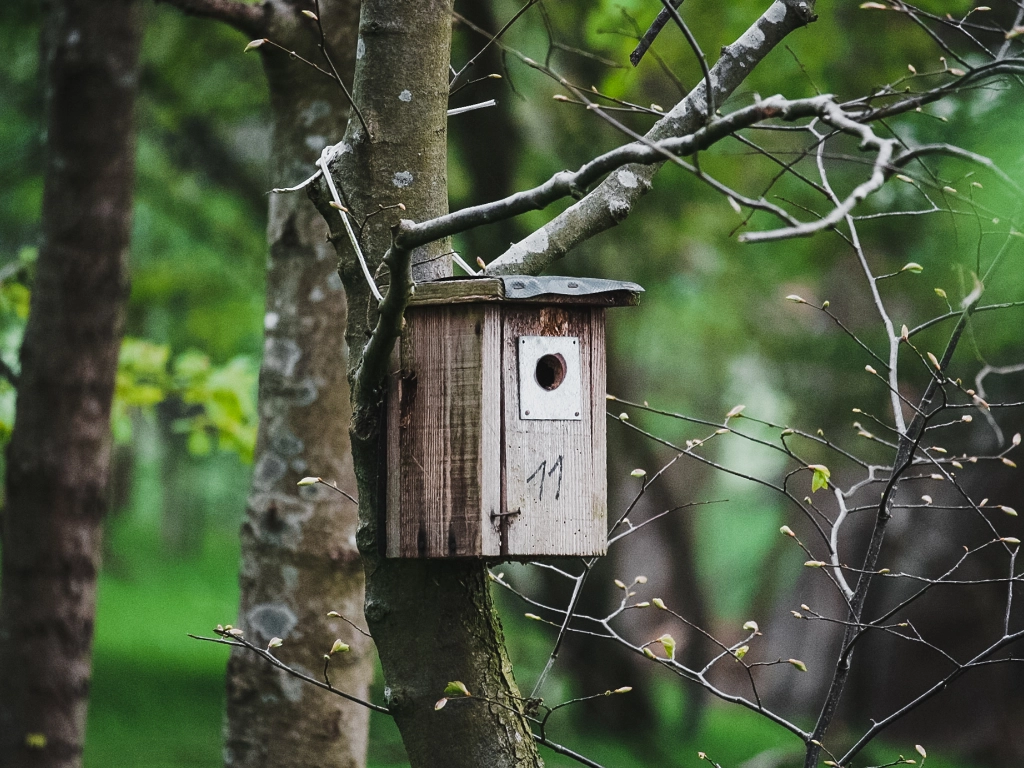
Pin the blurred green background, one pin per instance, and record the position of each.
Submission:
(713, 331)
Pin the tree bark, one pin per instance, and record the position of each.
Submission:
(299, 559)
(58, 460)
(433, 621)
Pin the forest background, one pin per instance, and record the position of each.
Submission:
(713, 331)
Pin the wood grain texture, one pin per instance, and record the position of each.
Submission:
(553, 476)
(491, 452)
(436, 500)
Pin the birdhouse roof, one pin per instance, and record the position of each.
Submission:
(528, 289)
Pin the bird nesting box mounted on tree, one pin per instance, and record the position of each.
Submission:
(496, 419)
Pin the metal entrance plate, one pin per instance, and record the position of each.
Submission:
(550, 380)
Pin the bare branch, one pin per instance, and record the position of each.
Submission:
(702, 60)
(226, 638)
(373, 365)
(613, 199)
(884, 166)
(250, 19)
(656, 26)
(334, 70)
(980, 659)
(490, 41)
(624, 159)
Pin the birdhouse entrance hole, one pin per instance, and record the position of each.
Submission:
(550, 371)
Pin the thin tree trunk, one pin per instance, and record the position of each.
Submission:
(58, 459)
(299, 559)
(433, 621)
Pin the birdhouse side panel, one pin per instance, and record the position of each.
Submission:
(554, 483)
(438, 416)
(599, 422)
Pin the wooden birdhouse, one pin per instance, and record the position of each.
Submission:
(496, 419)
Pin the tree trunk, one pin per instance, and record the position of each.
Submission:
(58, 459)
(433, 621)
(299, 559)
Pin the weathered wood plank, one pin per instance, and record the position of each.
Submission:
(550, 475)
(439, 404)
(599, 423)
(490, 434)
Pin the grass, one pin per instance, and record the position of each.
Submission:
(157, 696)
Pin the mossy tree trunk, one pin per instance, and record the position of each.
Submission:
(299, 558)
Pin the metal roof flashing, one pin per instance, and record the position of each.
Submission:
(528, 288)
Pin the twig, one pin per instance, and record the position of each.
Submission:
(491, 40)
(373, 363)
(472, 107)
(656, 26)
(323, 162)
(332, 486)
(240, 642)
(702, 60)
(334, 70)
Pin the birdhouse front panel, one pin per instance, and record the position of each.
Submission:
(496, 419)
(554, 431)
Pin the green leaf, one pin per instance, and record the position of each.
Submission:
(456, 688)
(820, 477)
(669, 644)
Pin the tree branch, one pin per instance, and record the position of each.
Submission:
(251, 19)
(373, 364)
(613, 199)
(885, 165)
(566, 183)
(655, 29)
(702, 60)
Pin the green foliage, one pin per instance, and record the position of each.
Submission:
(223, 397)
(194, 318)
